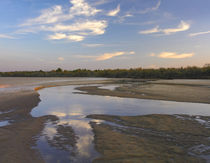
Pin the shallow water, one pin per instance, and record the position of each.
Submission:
(4, 123)
(109, 87)
(72, 109)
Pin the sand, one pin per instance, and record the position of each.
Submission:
(196, 91)
(151, 138)
(17, 139)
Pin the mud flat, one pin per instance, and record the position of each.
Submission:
(152, 138)
(17, 138)
(196, 91)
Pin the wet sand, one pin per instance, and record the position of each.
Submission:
(196, 91)
(151, 138)
(17, 139)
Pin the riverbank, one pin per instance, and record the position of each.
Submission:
(17, 138)
(195, 91)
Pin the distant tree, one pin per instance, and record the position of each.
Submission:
(161, 73)
(207, 65)
(59, 70)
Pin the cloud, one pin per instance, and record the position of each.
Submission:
(80, 7)
(95, 27)
(107, 56)
(114, 12)
(122, 18)
(73, 24)
(6, 36)
(60, 36)
(147, 10)
(57, 36)
(183, 26)
(60, 58)
(152, 55)
(51, 15)
(76, 38)
(173, 55)
(132, 52)
(199, 33)
(57, 14)
(93, 45)
(150, 31)
(100, 2)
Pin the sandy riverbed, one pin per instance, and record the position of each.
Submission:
(18, 138)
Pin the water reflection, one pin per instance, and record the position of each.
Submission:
(109, 87)
(72, 110)
(4, 123)
(4, 86)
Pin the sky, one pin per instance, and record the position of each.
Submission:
(102, 34)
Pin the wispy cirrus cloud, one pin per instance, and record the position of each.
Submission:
(151, 31)
(172, 55)
(100, 2)
(61, 59)
(151, 9)
(107, 56)
(114, 12)
(199, 33)
(6, 36)
(93, 45)
(48, 16)
(183, 26)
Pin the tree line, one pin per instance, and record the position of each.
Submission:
(139, 73)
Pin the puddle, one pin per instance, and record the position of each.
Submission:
(4, 123)
(4, 86)
(201, 151)
(109, 87)
(5, 112)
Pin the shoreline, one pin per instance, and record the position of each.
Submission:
(17, 138)
(194, 92)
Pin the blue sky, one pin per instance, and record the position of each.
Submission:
(98, 34)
